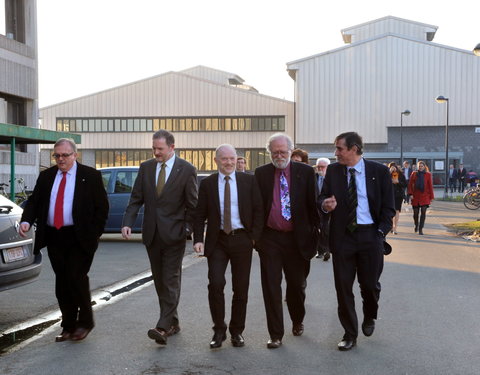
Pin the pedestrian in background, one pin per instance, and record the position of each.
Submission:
(69, 206)
(167, 188)
(290, 235)
(300, 155)
(241, 164)
(420, 188)
(231, 204)
(399, 186)
(323, 250)
(407, 171)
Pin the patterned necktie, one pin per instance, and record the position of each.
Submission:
(161, 180)
(352, 202)
(320, 183)
(58, 212)
(227, 215)
(285, 197)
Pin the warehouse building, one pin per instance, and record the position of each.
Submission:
(391, 65)
(203, 107)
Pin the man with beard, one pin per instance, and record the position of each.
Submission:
(289, 238)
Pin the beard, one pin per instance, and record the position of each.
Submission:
(281, 163)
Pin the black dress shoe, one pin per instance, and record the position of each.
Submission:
(217, 339)
(346, 344)
(173, 330)
(368, 326)
(274, 343)
(80, 333)
(297, 329)
(237, 340)
(326, 256)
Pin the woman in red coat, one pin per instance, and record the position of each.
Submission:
(420, 187)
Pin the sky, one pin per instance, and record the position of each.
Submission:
(86, 46)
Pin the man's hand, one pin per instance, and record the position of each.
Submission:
(23, 229)
(329, 204)
(126, 232)
(198, 248)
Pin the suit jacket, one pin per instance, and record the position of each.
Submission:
(461, 174)
(302, 201)
(89, 210)
(380, 199)
(172, 212)
(208, 208)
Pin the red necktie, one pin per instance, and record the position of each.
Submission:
(58, 214)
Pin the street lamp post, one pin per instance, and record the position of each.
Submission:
(442, 99)
(406, 113)
(476, 50)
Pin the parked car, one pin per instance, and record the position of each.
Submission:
(118, 182)
(18, 264)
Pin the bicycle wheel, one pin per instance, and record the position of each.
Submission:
(471, 200)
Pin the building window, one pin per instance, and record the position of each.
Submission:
(203, 160)
(175, 124)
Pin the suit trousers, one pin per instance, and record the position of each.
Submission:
(71, 265)
(236, 248)
(361, 255)
(279, 252)
(166, 266)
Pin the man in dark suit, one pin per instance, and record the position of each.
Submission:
(461, 174)
(70, 207)
(231, 204)
(290, 235)
(357, 195)
(452, 178)
(167, 188)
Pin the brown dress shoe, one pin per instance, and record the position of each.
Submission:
(159, 335)
(173, 330)
(297, 329)
(64, 336)
(80, 333)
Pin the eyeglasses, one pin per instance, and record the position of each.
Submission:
(58, 156)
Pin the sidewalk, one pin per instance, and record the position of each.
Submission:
(428, 321)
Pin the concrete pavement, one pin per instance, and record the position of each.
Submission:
(428, 321)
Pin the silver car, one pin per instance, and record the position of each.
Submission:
(18, 264)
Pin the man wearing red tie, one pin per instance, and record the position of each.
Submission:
(70, 207)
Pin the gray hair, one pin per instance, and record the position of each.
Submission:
(223, 146)
(325, 160)
(276, 136)
(70, 141)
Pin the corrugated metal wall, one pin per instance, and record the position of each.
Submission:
(365, 87)
(172, 94)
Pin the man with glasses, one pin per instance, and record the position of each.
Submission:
(290, 235)
(70, 207)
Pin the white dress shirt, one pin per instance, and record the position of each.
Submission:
(67, 197)
(236, 222)
(363, 210)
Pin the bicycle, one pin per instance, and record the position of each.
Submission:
(471, 198)
(21, 197)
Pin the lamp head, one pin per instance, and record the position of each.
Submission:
(476, 50)
(441, 99)
(406, 112)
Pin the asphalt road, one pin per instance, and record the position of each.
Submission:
(428, 320)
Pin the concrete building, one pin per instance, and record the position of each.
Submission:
(203, 107)
(390, 65)
(18, 85)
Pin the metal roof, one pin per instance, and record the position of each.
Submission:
(29, 135)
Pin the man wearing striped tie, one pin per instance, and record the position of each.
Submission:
(70, 207)
(290, 235)
(357, 196)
